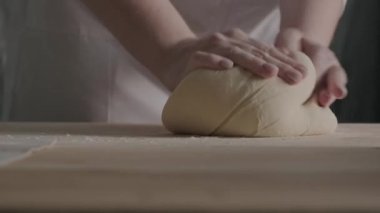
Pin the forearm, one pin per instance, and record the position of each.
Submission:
(314, 19)
(147, 29)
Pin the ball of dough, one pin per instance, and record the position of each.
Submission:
(236, 102)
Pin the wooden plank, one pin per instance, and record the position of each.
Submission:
(116, 168)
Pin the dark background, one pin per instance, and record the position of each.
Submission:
(357, 44)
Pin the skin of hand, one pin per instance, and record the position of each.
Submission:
(308, 26)
(332, 79)
(155, 34)
(221, 51)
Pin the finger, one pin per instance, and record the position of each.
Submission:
(325, 98)
(285, 63)
(336, 82)
(259, 45)
(284, 50)
(217, 39)
(283, 55)
(289, 77)
(236, 33)
(202, 59)
(249, 61)
(286, 72)
(274, 52)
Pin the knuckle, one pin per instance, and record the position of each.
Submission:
(267, 48)
(202, 57)
(341, 69)
(251, 50)
(234, 50)
(213, 58)
(266, 55)
(235, 32)
(198, 56)
(272, 50)
(260, 45)
(292, 54)
(284, 50)
(217, 37)
(247, 56)
(252, 59)
(217, 40)
(260, 55)
(246, 48)
(331, 54)
(271, 47)
(287, 67)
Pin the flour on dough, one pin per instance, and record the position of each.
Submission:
(238, 103)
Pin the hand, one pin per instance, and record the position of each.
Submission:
(332, 79)
(222, 51)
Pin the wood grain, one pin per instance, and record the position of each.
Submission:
(100, 167)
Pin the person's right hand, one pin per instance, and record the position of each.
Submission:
(331, 76)
(222, 51)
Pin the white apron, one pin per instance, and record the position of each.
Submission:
(58, 63)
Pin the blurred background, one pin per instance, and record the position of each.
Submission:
(357, 44)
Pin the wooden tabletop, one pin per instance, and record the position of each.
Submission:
(104, 167)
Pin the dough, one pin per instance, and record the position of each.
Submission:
(235, 102)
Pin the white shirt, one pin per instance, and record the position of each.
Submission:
(60, 64)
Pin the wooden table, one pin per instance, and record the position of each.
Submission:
(100, 167)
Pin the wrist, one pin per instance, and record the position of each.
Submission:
(172, 70)
(290, 38)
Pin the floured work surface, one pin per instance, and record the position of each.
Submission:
(95, 167)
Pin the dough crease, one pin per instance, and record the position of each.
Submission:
(237, 103)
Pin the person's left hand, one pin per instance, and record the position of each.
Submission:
(332, 79)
